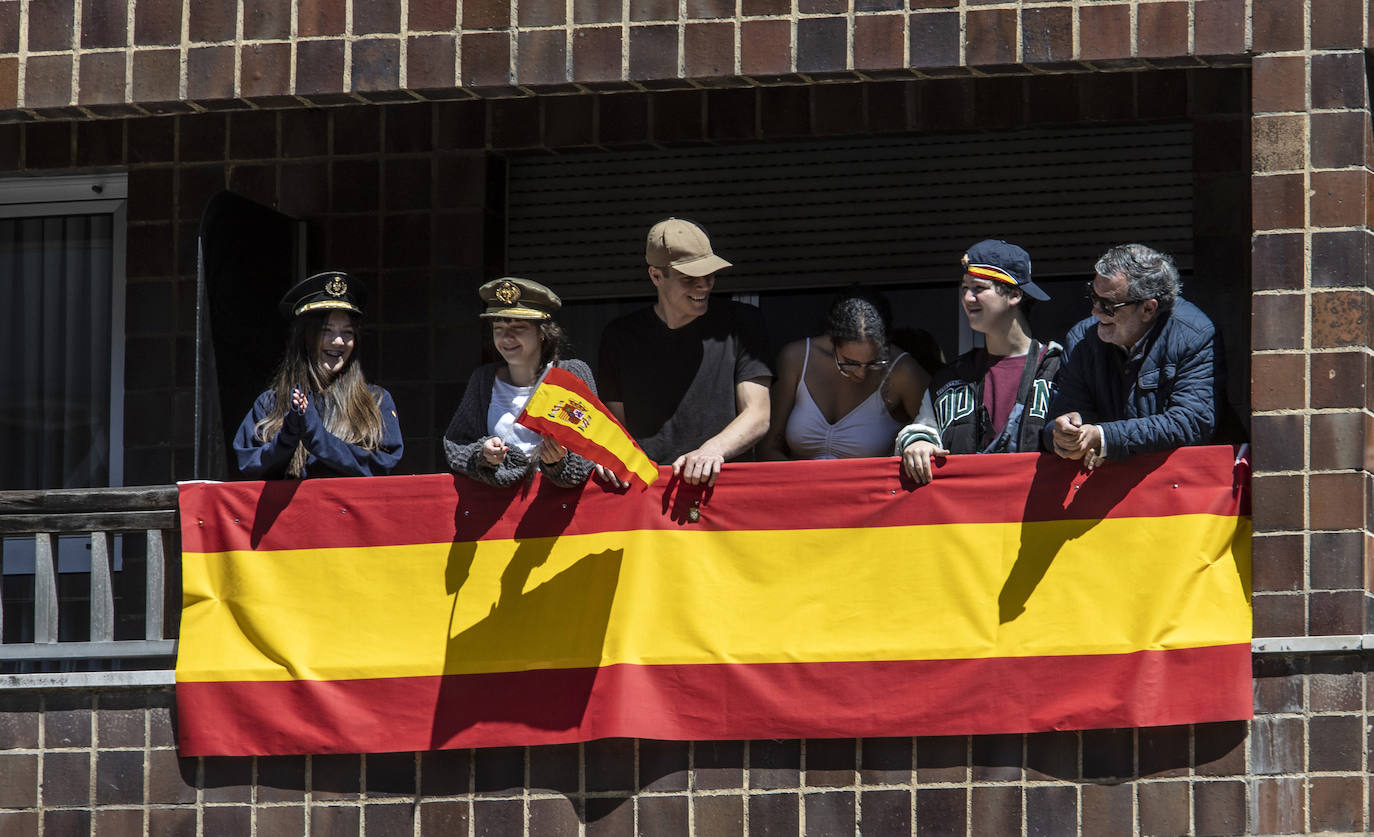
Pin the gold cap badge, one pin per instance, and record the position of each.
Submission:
(508, 293)
(336, 286)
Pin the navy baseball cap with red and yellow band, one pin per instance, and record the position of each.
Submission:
(998, 261)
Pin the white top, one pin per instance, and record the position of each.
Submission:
(866, 430)
(507, 401)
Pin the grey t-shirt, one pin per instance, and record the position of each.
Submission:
(678, 385)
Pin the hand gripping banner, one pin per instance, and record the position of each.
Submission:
(829, 599)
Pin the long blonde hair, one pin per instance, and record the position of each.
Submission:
(349, 408)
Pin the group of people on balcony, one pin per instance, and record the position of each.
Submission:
(690, 379)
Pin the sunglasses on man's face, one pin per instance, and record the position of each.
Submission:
(1108, 307)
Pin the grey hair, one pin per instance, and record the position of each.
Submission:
(1149, 273)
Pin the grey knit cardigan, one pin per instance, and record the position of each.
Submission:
(468, 430)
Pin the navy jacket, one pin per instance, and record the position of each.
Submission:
(1169, 394)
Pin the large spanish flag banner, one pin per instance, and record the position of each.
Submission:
(805, 599)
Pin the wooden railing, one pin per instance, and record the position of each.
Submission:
(45, 633)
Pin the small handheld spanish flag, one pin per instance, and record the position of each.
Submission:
(563, 407)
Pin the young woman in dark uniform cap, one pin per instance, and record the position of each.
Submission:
(320, 417)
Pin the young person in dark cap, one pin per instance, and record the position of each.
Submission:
(320, 417)
(993, 399)
(483, 441)
(687, 377)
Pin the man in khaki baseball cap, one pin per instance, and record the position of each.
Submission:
(689, 379)
(683, 246)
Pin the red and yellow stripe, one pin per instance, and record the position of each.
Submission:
(987, 271)
(812, 599)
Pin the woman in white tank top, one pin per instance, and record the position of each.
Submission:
(846, 393)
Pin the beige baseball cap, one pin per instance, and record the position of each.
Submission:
(677, 243)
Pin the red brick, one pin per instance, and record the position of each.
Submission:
(1107, 809)
(265, 20)
(1277, 261)
(1104, 32)
(9, 28)
(320, 17)
(1337, 24)
(210, 73)
(653, 52)
(821, 46)
(319, 67)
(486, 60)
(569, 121)
(266, 70)
(1279, 84)
(1277, 25)
(709, 49)
(1338, 502)
(935, 39)
(1338, 80)
(1280, 805)
(1279, 143)
(758, 8)
(653, 11)
(486, 14)
(678, 116)
(1278, 381)
(1047, 34)
(1277, 559)
(624, 119)
(1339, 198)
(889, 105)
(430, 62)
(212, 20)
(597, 11)
(878, 42)
(1339, 139)
(785, 111)
(102, 78)
(539, 12)
(104, 23)
(376, 64)
(1164, 807)
(1279, 614)
(157, 75)
(1277, 202)
(543, 57)
(596, 54)
(1339, 379)
(990, 37)
(1340, 318)
(1219, 807)
(1219, 27)
(157, 22)
(1341, 441)
(1277, 442)
(710, 9)
(50, 25)
(765, 47)
(1162, 29)
(375, 17)
(48, 81)
(9, 84)
(440, 15)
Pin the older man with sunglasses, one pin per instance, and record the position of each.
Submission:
(1147, 372)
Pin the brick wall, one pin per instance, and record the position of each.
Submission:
(60, 58)
(315, 107)
(76, 760)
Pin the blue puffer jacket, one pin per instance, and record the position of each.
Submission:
(1167, 395)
